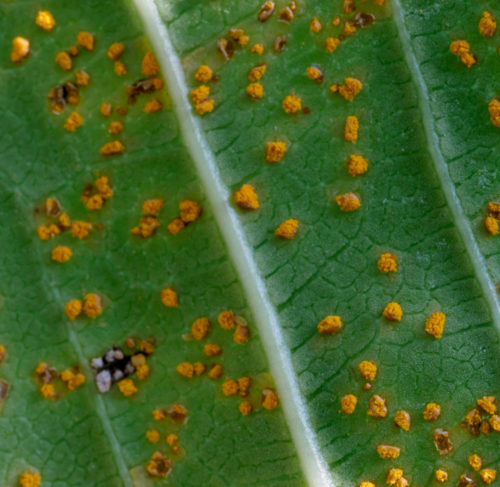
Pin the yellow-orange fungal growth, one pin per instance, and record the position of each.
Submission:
(434, 325)
(394, 476)
(475, 461)
(200, 93)
(349, 28)
(241, 334)
(152, 207)
(377, 407)
(351, 129)
(150, 65)
(86, 40)
(61, 253)
(387, 263)
(200, 328)
(275, 151)
(402, 419)
(441, 476)
(203, 74)
(348, 201)
(494, 109)
(147, 226)
(199, 368)
(494, 422)
(45, 20)
(491, 225)
(367, 483)
(246, 197)
(80, 229)
(175, 226)
(115, 128)
(72, 380)
(64, 60)
(115, 51)
(73, 309)
(350, 88)
(127, 387)
(288, 229)
(82, 78)
(47, 391)
(205, 106)
(74, 121)
(120, 68)
(153, 106)
(256, 73)
(45, 232)
(348, 403)
(190, 211)
(159, 466)
(20, 49)
(255, 91)
(331, 44)
(73, 51)
(269, 399)
(106, 109)
(314, 74)
(172, 439)
(336, 21)
(388, 451)
(432, 411)
(92, 305)
(393, 312)
(487, 404)
(368, 369)
(487, 25)
(3, 353)
(245, 408)
(30, 479)
(185, 369)
(230, 388)
(357, 165)
(461, 49)
(244, 384)
(142, 371)
(153, 435)
(113, 148)
(292, 104)
(329, 325)
(488, 475)
(212, 350)
(315, 25)
(226, 320)
(257, 49)
(215, 372)
(169, 297)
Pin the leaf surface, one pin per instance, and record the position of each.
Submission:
(425, 128)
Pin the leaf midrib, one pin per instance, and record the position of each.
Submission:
(314, 465)
(461, 221)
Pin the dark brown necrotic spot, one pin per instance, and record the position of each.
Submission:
(141, 87)
(279, 43)
(266, 11)
(62, 95)
(362, 19)
(442, 441)
(226, 48)
(466, 481)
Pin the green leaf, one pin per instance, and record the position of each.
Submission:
(432, 151)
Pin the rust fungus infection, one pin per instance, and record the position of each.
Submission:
(331, 44)
(275, 151)
(200, 328)
(269, 399)
(288, 229)
(73, 309)
(203, 74)
(357, 165)
(402, 419)
(20, 49)
(368, 370)
(393, 312)
(169, 297)
(92, 305)
(255, 91)
(491, 225)
(74, 121)
(387, 263)
(432, 411)
(348, 403)
(315, 25)
(64, 60)
(441, 475)
(487, 25)
(292, 104)
(315, 74)
(329, 325)
(61, 254)
(351, 129)
(230, 388)
(434, 325)
(120, 68)
(266, 11)
(30, 479)
(488, 475)
(86, 40)
(442, 441)
(461, 49)
(466, 481)
(246, 197)
(258, 49)
(226, 320)
(45, 20)
(377, 407)
(159, 466)
(348, 202)
(241, 334)
(115, 51)
(388, 451)
(475, 461)
(245, 408)
(113, 148)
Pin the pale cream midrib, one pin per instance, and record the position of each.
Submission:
(314, 465)
(461, 222)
